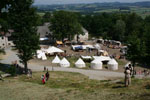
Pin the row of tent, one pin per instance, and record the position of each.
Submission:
(95, 64)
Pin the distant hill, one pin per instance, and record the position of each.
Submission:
(138, 7)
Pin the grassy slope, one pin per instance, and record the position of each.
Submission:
(71, 86)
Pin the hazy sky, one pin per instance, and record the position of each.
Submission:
(80, 1)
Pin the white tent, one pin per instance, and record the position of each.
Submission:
(64, 63)
(39, 51)
(56, 60)
(96, 64)
(97, 46)
(86, 57)
(87, 46)
(40, 54)
(112, 64)
(43, 56)
(80, 63)
(102, 58)
(54, 50)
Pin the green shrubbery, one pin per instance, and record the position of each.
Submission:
(11, 70)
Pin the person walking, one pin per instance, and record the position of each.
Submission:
(47, 75)
(127, 77)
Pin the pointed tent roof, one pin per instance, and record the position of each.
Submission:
(64, 61)
(54, 50)
(113, 62)
(56, 60)
(79, 61)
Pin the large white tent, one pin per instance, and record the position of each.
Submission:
(64, 63)
(80, 63)
(112, 64)
(56, 60)
(96, 64)
(102, 58)
(54, 50)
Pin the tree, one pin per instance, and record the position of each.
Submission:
(24, 22)
(119, 30)
(134, 48)
(65, 25)
(46, 17)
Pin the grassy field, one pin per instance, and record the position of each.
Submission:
(71, 86)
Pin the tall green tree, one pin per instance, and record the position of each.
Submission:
(65, 25)
(134, 48)
(46, 17)
(119, 30)
(24, 22)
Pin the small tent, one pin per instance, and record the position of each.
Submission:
(80, 63)
(56, 60)
(54, 50)
(96, 64)
(112, 64)
(39, 51)
(43, 56)
(64, 63)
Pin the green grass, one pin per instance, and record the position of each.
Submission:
(41, 14)
(71, 86)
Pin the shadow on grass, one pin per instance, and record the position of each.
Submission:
(119, 85)
(11, 69)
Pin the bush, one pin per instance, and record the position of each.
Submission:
(12, 70)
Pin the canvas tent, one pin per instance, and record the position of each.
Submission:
(39, 51)
(64, 63)
(97, 46)
(54, 50)
(80, 63)
(56, 60)
(102, 58)
(86, 57)
(96, 64)
(43, 56)
(112, 64)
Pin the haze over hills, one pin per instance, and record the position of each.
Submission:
(139, 7)
(51, 2)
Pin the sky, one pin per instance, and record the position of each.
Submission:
(49, 2)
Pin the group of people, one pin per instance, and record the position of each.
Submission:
(45, 77)
(128, 72)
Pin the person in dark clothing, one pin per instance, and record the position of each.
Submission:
(47, 75)
(44, 68)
